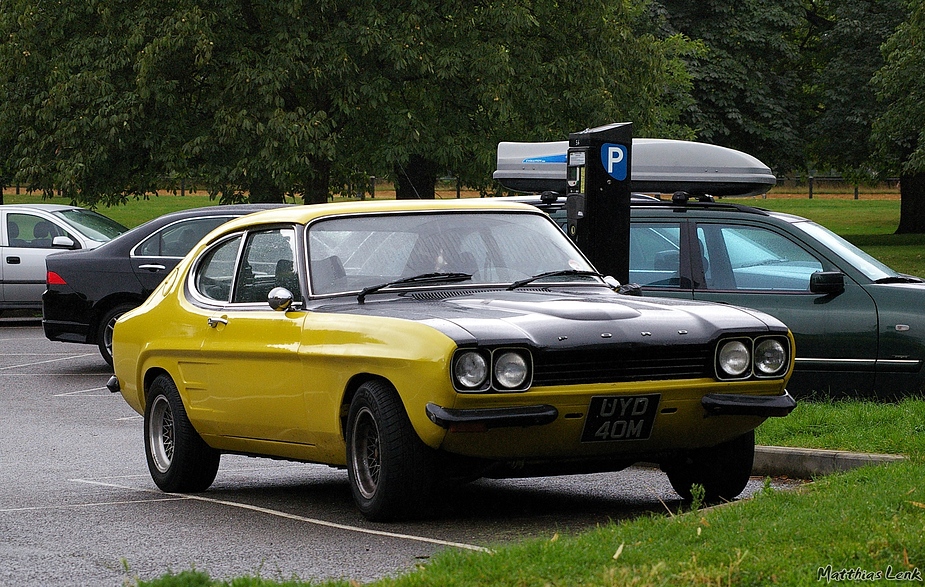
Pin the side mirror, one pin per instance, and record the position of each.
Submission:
(827, 282)
(280, 299)
(63, 242)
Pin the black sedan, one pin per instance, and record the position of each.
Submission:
(87, 290)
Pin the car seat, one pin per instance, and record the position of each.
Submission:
(43, 231)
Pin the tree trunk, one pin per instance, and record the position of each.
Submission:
(264, 192)
(317, 188)
(912, 204)
(416, 180)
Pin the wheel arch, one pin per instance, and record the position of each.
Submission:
(350, 391)
(149, 377)
(103, 307)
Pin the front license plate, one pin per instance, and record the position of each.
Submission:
(620, 418)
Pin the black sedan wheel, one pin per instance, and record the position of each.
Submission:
(391, 471)
(179, 459)
(106, 326)
(722, 470)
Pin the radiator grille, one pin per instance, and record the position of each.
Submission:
(613, 365)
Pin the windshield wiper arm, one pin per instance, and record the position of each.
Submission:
(899, 279)
(422, 278)
(523, 282)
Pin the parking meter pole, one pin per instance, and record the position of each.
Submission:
(598, 196)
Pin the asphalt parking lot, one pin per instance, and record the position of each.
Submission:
(78, 507)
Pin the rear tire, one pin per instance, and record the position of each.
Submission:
(722, 470)
(392, 472)
(104, 341)
(178, 458)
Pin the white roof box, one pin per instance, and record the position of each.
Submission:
(658, 166)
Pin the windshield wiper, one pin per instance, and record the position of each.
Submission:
(422, 278)
(523, 282)
(899, 279)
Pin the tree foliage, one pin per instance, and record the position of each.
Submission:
(110, 100)
(900, 130)
(748, 80)
(845, 102)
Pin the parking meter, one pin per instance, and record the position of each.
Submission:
(598, 195)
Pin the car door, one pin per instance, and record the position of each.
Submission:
(29, 240)
(658, 261)
(157, 255)
(253, 387)
(758, 266)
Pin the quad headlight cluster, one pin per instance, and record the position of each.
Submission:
(502, 369)
(742, 358)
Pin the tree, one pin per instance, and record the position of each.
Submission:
(748, 81)
(900, 130)
(455, 78)
(848, 55)
(264, 98)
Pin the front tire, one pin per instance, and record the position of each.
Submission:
(722, 470)
(178, 458)
(107, 323)
(391, 471)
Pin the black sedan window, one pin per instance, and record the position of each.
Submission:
(177, 239)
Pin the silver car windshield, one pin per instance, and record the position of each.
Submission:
(869, 266)
(351, 253)
(93, 225)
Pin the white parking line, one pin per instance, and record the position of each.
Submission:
(297, 518)
(86, 391)
(32, 364)
(86, 505)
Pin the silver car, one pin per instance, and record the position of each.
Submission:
(29, 233)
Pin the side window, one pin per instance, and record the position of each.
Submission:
(216, 271)
(655, 254)
(177, 239)
(27, 230)
(754, 258)
(267, 262)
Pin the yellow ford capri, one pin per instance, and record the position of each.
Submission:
(421, 343)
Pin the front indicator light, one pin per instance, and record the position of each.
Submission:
(510, 370)
(733, 359)
(770, 357)
(471, 370)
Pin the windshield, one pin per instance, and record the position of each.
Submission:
(870, 267)
(92, 225)
(352, 253)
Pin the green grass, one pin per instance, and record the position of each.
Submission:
(869, 519)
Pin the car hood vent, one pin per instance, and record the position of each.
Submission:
(444, 294)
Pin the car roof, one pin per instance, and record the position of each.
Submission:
(553, 201)
(304, 214)
(43, 207)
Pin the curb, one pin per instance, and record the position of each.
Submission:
(806, 463)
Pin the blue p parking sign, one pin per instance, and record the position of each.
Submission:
(613, 158)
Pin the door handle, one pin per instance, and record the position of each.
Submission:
(215, 321)
(13, 260)
(152, 267)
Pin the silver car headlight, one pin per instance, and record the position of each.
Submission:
(470, 371)
(770, 357)
(510, 370)
(733, 359)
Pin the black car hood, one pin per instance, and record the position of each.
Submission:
(560, 318)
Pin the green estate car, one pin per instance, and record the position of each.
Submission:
(859, 325)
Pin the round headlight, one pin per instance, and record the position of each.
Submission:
(470, 370)
(770, 356)
(510, 369)
(733, 358)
